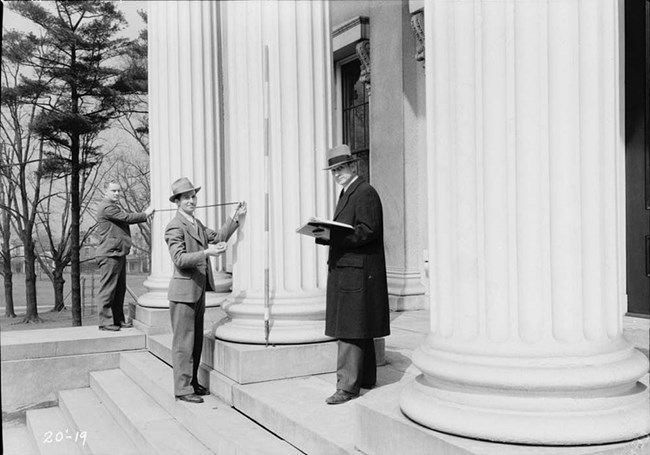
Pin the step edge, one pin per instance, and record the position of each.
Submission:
(194, 422)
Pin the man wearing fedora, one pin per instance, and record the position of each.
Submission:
(191, 245)
(357, 293)
(114, 245)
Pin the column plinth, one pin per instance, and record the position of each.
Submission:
(525, 239)
(299, 125)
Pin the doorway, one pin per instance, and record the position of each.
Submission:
(637, 155)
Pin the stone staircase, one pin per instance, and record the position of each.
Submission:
(130, 410)
(293, 409)
(127, 406)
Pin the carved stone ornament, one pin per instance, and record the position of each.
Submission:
(417, 22)
(363, 52)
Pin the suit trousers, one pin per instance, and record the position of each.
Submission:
(112, 287)
(187, 343)
(356, 364)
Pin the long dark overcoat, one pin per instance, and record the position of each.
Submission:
(357, 292)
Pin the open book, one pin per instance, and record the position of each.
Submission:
(314, 224)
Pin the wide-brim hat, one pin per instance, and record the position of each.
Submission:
(180, 186)
(339, 155)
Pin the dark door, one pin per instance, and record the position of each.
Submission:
(637, 150)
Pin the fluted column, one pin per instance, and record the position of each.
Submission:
(526, 187)
(184, 128)
(297, 36)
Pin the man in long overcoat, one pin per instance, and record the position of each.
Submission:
(189, 243)
(357, 293)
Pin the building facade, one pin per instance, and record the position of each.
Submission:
(508, 142)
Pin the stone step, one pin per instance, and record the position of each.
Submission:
(149, 426)
(161, 347)
(52, 434)
(16, 439)
(90, 418)
(216, 424)
(67, 341)
(295, 410)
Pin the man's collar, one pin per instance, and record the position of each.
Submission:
(345, 188)
(190, 218)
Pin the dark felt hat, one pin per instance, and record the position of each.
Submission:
(180, 186)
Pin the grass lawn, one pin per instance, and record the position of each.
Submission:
(45, 298)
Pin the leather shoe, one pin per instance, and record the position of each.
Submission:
(341, 396)
(110, 328)
(126, 325)
(200, 390)
(191, 398)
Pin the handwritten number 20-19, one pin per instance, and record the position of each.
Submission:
(50, 437)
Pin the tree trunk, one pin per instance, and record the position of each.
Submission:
(8, 275)
(75, 209)
(6, 263)
(75, 273)
(9, 288)
(31, 314)
(58, 282)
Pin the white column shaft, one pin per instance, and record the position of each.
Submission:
(184, 128)
(297, 36)
(526, 149)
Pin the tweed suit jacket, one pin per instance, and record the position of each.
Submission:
(192, 270)
(113, 229)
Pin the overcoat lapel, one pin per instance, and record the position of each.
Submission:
(346, 198)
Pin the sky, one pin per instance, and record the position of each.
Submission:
(112, 140)
(129, 8)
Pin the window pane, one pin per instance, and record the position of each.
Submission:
(355, 115)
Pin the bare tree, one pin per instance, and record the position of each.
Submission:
(6, 200)
(55, 233)
(22, 152)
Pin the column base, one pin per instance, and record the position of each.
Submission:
(154, 321)
(382, 429)
(405, 290)
(248, 363)
(408, 302)
(151, 321)
(222, 282)
(293, 319)
(158, 286)
(569, 399)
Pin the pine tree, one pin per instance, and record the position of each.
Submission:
(80, 99)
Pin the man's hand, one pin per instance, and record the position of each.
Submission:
(240, 211)
(321, 233)
(216, 250)
(149, 211)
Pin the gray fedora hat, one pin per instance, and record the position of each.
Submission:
(339, 155)
(180, 186)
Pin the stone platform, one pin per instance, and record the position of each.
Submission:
(291, 408)
(382, 429)
(36, 364)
